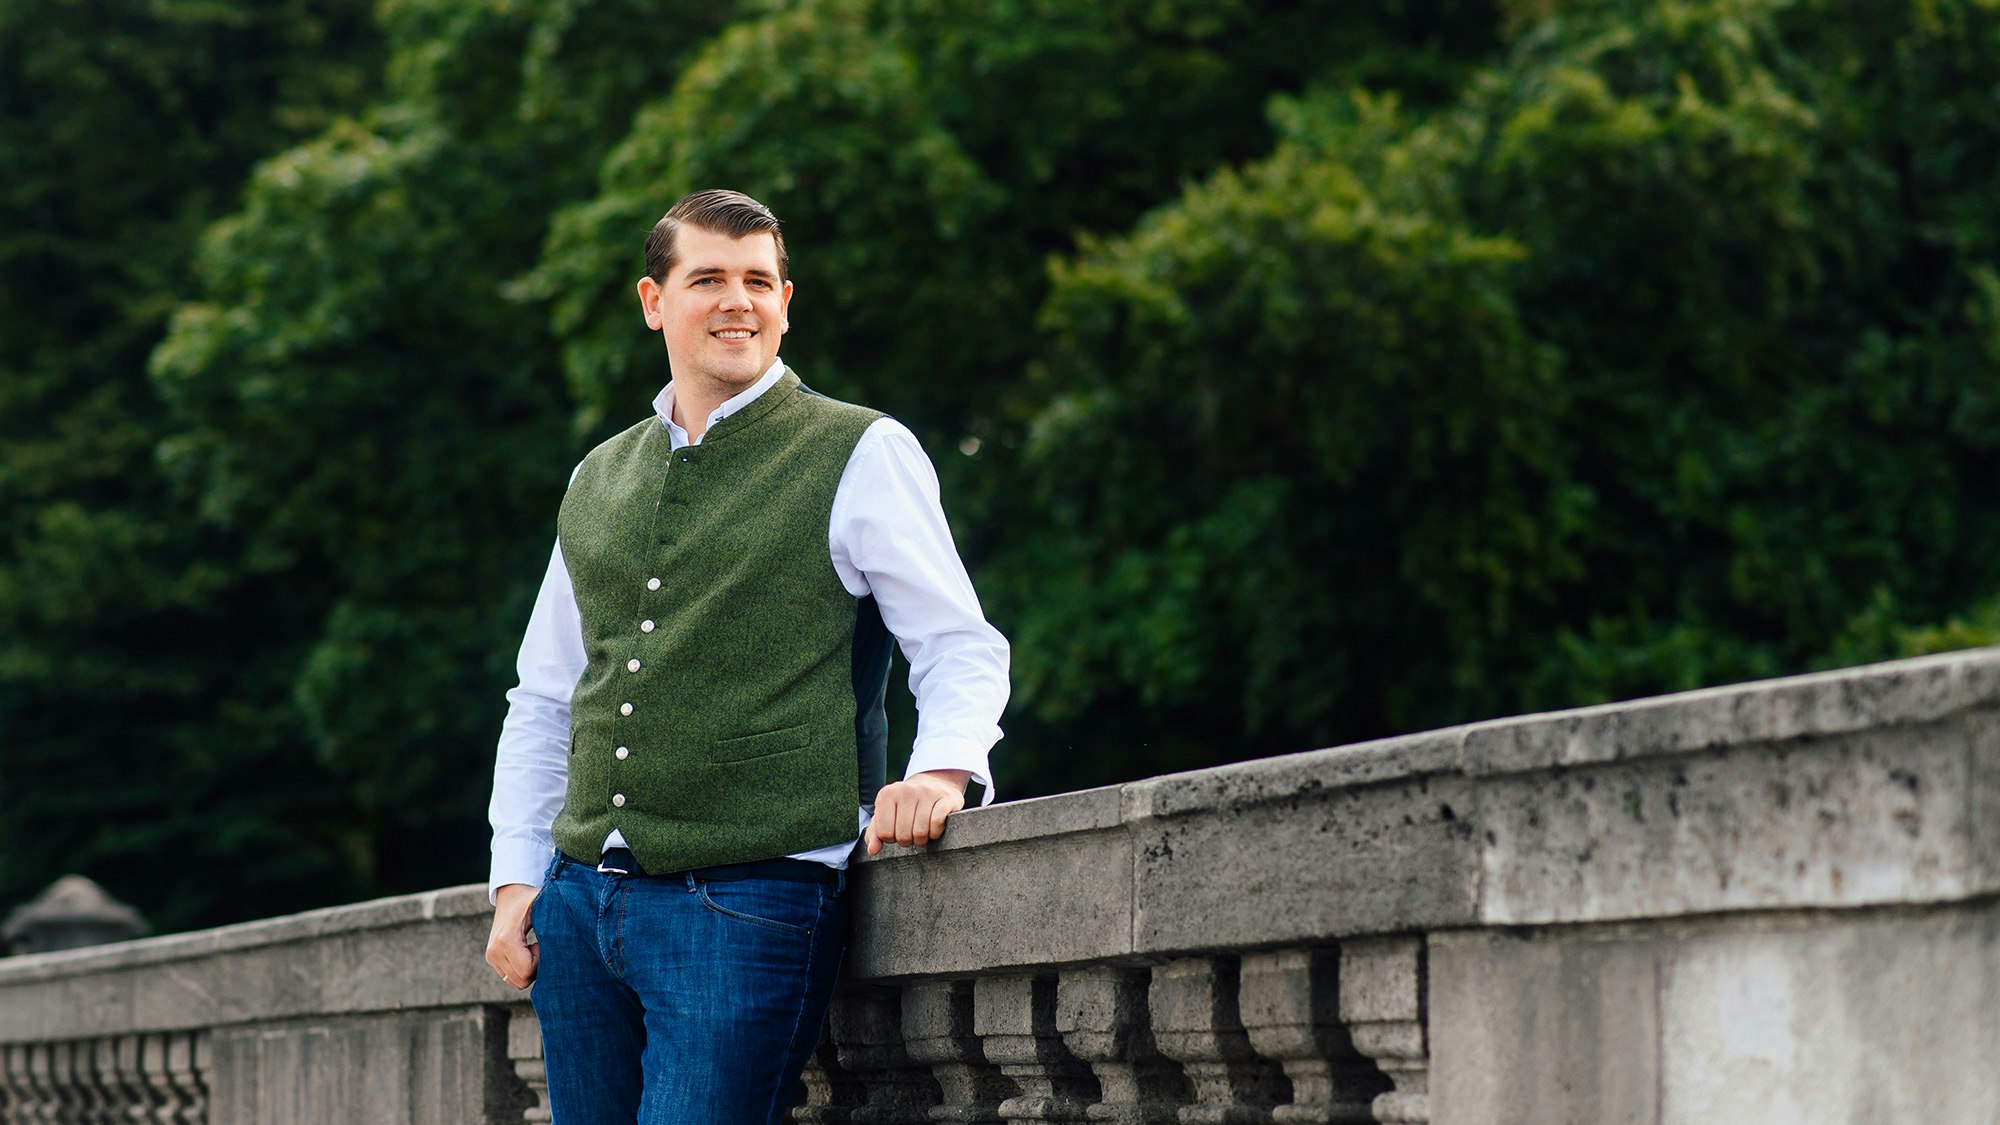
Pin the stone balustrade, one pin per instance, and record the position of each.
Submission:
(1767, 903)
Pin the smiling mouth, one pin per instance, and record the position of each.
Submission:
(732, 333)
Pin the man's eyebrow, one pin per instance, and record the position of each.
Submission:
(718, 271)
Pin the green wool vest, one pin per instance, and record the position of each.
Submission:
(731, 709)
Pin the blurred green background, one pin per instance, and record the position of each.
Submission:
(1297, 373)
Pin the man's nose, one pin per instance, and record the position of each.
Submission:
(735, 296)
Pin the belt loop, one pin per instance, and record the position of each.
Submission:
(689, 876)
(839, 881)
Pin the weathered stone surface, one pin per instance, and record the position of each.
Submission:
(1982, 797)
(866, 1027)
(1869, 817)
(1383, 989)
(938, 1033)
(1289, 777)
(1103, 1017)
(1015, 1018)
(1289, 1000)
(1041, 818)
(1033, 902)
(1317, 865)
(1813, 846)
(1196, 1023)
(1588, 1010)
(380, 956)
(382, 1070)
(1851, 699)
(1866, 1018)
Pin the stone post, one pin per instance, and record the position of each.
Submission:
(524, 1052)
(137, 1099)
(14, 1095)
(1195, 1023)
(1015, 1019)
(831, 1094)
(1102, 1016)
(1382, 1002)
(938, 1032)
(883, 1085)
(1290, 1002)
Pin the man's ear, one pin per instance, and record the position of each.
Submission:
(649, 301)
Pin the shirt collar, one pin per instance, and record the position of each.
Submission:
(663, 403)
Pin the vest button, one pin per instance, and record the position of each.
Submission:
(624, 753)
(632, 665)
(618, 800)
(652, 583)
(624, 708)
(645, 626)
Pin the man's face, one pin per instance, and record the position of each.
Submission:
(721, 309)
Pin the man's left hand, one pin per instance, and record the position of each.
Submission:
(912, 812)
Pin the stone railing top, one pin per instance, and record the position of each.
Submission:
(1837, 789)
(309, 926)
(1900, 693)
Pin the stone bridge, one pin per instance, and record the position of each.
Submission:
(1768, 903)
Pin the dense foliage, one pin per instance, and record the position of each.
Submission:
(1297, 373)
(149, 738)
(1665, 356)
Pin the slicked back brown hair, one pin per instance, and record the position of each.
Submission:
(717, 211)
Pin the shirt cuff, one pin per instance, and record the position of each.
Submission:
(518, 861)
(951, 752)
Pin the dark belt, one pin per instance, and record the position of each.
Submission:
(621, 861)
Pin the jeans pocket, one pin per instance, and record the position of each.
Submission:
(789, 908)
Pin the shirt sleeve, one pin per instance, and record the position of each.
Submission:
(889, 538)
(531, 766)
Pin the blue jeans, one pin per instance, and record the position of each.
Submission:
(680, 999)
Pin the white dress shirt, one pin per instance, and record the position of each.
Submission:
(887, 537)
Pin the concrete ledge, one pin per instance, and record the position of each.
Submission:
(1864, 787)
(1899, 693)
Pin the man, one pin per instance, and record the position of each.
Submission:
(697, 737)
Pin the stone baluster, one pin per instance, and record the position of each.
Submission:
(831, 1094)
(37, 1068)
(14, 1085)
(107, 1074)
(1382, 1001)
(166, 1101)
(938, 1032)
(1196, 1023)
(69, 1097)
(1015, 1019)
(1102, 1016)
(187, 1067)
(1290, 1003)
(876, 1082)
(136, 1101)
(524, 1053)
(92, 1086)
(97, 1062)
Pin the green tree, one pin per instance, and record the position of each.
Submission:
(1762, 236)
(1297, 435)
(136, 745)
(1664, 357)
(371, 390)
(366, 401)
(927, 160)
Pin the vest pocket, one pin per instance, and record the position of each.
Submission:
(762, 745)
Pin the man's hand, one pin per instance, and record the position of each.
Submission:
(912, 812)
(507, 948)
